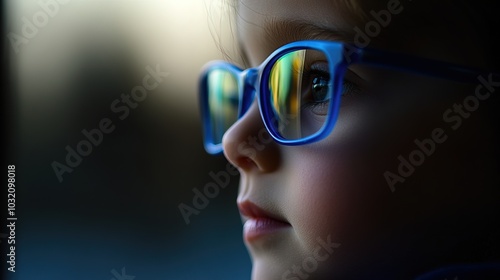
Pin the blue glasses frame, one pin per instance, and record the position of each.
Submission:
(254, 82)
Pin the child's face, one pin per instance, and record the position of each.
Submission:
(334, 191)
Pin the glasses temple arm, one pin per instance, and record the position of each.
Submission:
(422, 66)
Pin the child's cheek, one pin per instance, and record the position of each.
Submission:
(336, 192)
(319, 193)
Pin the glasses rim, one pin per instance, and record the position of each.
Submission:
(252, 81)
(336, 65)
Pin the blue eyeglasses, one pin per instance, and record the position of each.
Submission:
(299, 87)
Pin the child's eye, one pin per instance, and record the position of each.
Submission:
(317, 86)
(320, 86)
(316, 83)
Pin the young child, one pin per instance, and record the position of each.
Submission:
(368, 148)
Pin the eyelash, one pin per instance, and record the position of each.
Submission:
(349, 87)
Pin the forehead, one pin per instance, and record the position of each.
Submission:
(265, 25)
(324, 12)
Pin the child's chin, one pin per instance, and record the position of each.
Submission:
(267, 270)
(278, 263)
(275, 270)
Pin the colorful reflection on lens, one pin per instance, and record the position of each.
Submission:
(222, 101)
(284, 85)
(291, 85)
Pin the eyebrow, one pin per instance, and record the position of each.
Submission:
(280, 32)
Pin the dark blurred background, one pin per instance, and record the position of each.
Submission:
(117, 213)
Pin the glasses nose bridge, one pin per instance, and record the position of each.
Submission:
(248, 89)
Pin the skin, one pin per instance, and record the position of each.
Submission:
(336, 188)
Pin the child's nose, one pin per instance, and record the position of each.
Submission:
(248, 145)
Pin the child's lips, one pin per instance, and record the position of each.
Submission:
(258, 222)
